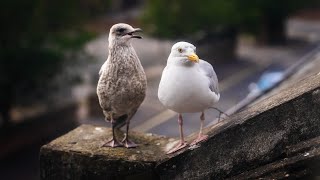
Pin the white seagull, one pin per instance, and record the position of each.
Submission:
(188, 85)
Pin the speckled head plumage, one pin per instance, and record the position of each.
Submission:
(122, 33)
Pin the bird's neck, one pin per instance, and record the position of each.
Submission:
(180, 61)
(115, 49)
(119, 44)
(123, 52)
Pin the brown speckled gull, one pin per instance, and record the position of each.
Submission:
(122, 83)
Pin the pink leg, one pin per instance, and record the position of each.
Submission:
(126, 142)
(112, 142)
(219, 116)
(201, 136)
(182, 143)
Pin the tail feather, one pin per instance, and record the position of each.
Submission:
(120, 121)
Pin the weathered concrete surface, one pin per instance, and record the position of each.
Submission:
(301, 161)
(79, 155)
(252, 138)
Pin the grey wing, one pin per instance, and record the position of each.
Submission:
(211, 74)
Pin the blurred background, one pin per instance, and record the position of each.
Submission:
(51, 52)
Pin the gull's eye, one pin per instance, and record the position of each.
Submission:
(121, 30)
(180, 50)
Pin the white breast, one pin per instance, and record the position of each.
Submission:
(185, 89)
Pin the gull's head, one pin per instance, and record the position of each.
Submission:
(184, 52)
(121, 33)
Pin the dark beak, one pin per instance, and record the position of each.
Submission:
(134, 31)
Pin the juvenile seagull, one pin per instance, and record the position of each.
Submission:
(188, 85)
(122, 83)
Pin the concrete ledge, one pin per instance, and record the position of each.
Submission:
(268, 139)
(301, 161)
(79, 155)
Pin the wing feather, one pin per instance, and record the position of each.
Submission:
(211, 74)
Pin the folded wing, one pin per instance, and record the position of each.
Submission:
(211, 74)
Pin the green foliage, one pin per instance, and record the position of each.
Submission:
(255, 13)
(176, 18)
(71, 40)
(165, 18)
(35, 34)
(28, 68)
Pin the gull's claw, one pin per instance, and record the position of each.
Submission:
(112, 143)
(128, 144)
(181, 145)
(200, 138)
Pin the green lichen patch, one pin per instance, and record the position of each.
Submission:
(88, 140)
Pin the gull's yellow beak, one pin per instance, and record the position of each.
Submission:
(193, 57)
